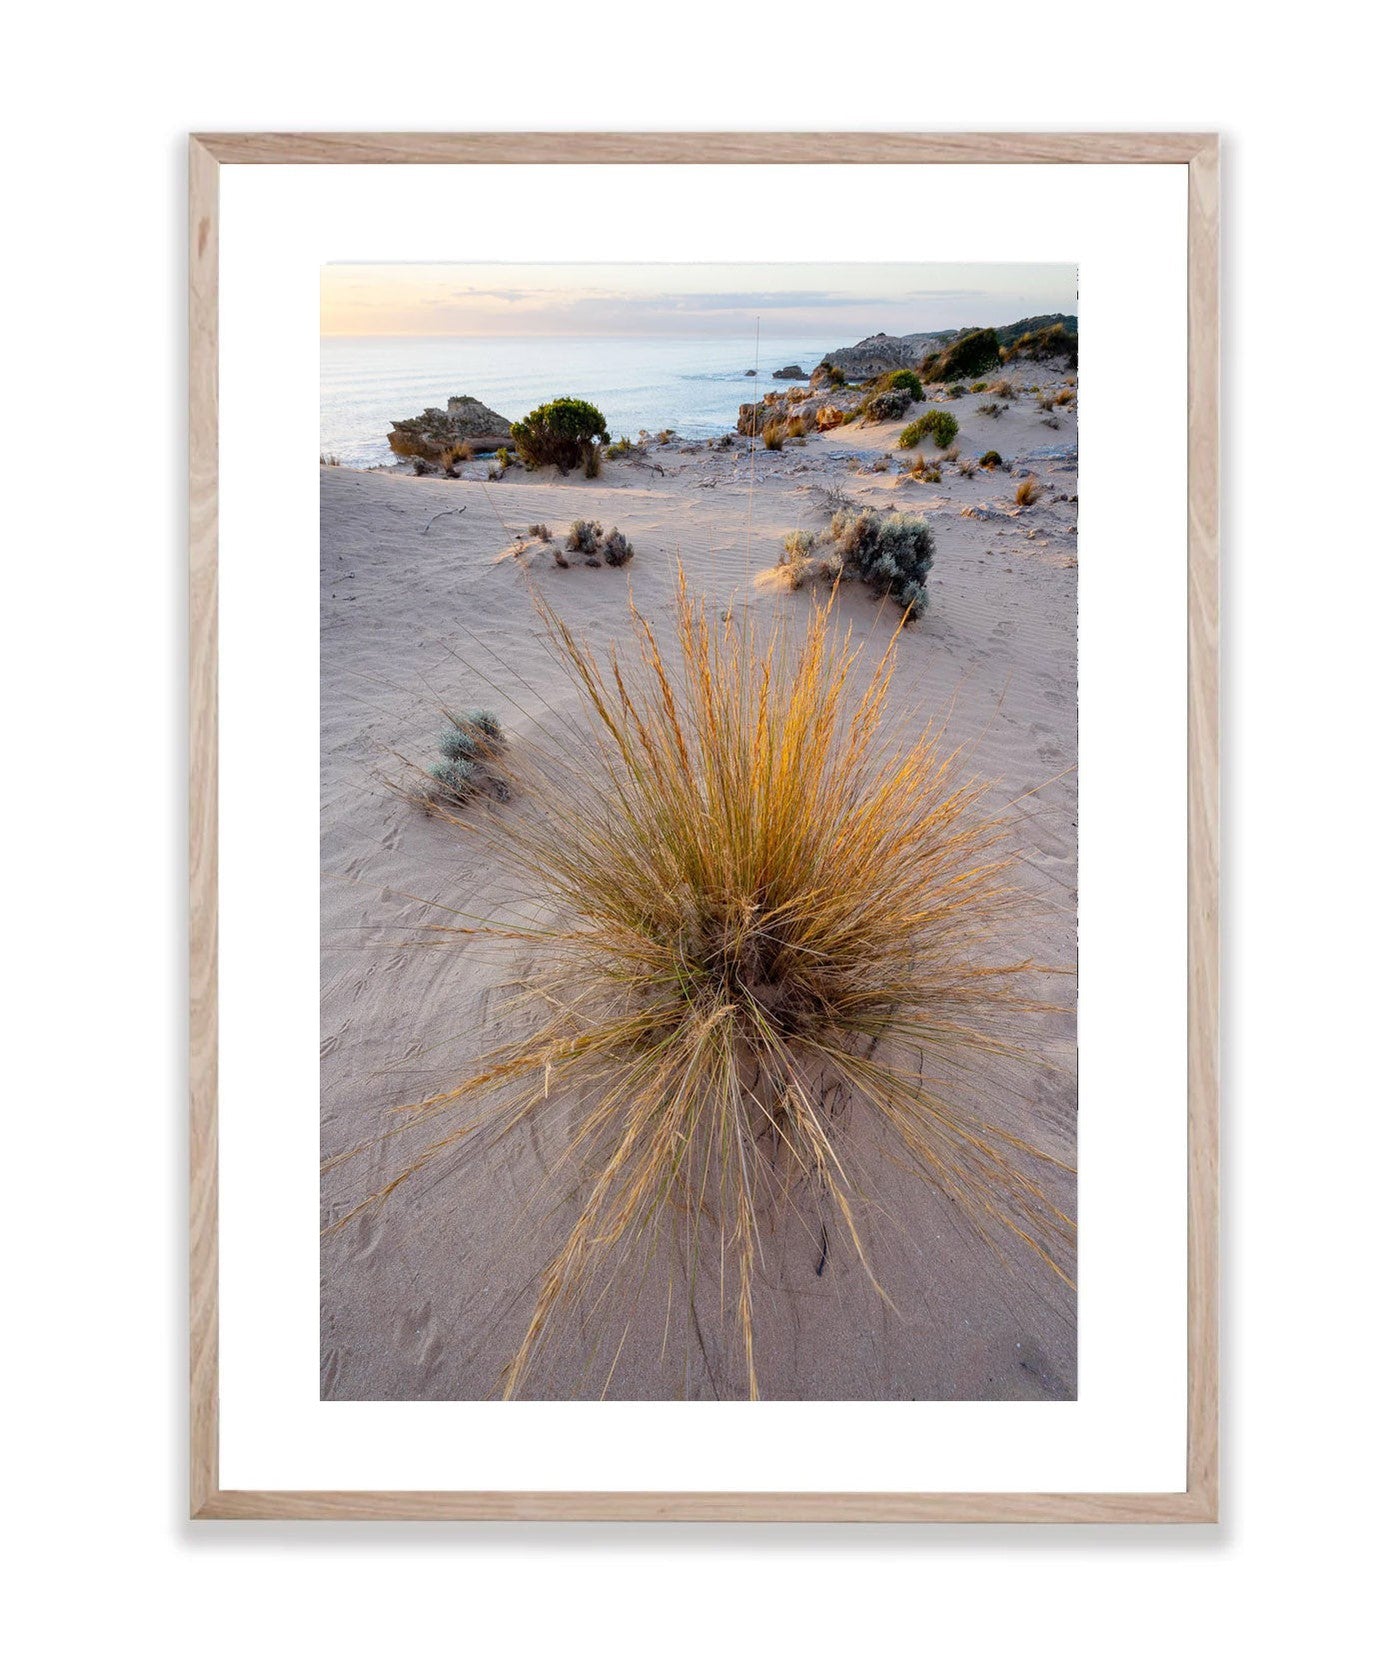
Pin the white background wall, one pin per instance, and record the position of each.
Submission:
(96, 106)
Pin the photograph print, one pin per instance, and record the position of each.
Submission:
(698, 722)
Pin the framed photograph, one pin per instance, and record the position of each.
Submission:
(704, 900)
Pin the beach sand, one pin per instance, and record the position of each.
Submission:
(425, 605)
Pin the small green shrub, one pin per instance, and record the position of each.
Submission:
(892, 552)
(564, 433)
(903, 379)
(541, 531)
(468, 744)
(623, 446)
(937, 423)
(616, 550)
(979, 387)
(798, 544)
(991, 459)
(584, 536)
(993, 410)
(483, 726)
(954, 391)
(459, 780)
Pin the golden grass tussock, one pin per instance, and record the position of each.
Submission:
(1027, 492)
(763, 962)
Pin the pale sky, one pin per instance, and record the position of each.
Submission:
(835, 302)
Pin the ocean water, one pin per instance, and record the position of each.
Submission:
(693, 385)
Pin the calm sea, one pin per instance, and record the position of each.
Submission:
(693, 385)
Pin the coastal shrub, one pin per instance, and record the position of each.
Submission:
(798, 544)
(458, 780)
(965, 358)
(564, 433)
(892, 552)
(993, 410)
(991, 459)
(1004, 388)
(747, 911)
(584, 535)
(902, 379)
(887, 405)
(1027, 493)
(954, 391)
(541, 531)
(1065, 396)
(1051, 343)
(967, 469)
(796, 426)
(420, 467)
(560, 559)
(836, 377)
(469, 743)
(937, 423)
(616, 550)
(481, 726)
(979, 387)
(774, 434)
(592, 460)
(623, 446)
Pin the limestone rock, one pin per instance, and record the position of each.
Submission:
(465, 427)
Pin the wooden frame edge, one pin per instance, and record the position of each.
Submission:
(1199, 1503)
(702, 147)
(1202, 798)
(972, 1509)
(203, 826)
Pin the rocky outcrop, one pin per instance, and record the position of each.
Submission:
(464, 428)
(883, 354)
(791, 371)
(819, 411)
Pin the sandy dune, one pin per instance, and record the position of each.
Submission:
(428, 1298)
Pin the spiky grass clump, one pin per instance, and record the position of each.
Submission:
(1027, 492)
(762, 962)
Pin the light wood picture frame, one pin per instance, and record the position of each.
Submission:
(1199, 153)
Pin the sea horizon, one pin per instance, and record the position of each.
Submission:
(692, 384)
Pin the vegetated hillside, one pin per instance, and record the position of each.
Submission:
(882, 353)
